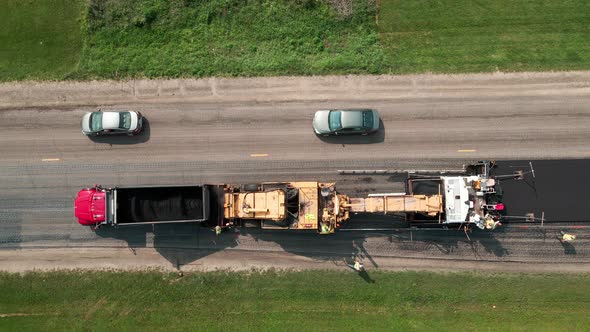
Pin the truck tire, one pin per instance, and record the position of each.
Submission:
(251, 187)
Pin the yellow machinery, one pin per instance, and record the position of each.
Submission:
(468, 198)
(289, 205)
(314, 205)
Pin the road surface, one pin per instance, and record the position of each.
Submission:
(252, 130)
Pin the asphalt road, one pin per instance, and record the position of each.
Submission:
(45, 160)
(558, 191)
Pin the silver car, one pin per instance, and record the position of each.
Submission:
(112, 123)
(346, 121)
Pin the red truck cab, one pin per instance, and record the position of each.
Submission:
(90, 206)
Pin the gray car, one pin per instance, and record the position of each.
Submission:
(112, 123)
(346, 121)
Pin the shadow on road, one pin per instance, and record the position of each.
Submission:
(184, 244)
(134, 236)
(340, 248)
(378, 137)
(142, 137)
(489, 242)
(448, 242)
(568, 248)
(180, 244)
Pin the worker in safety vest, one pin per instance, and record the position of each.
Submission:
(491, 224)
(324, 228)
(566, 237)
(358, 266)
(217, 230)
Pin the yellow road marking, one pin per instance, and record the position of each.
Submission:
(467, 150)
(51, 159)
(259, 155)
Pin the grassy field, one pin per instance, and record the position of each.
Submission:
(40, 39)
(313, 300)
(473, 36)
(229, 38)
(85, 39)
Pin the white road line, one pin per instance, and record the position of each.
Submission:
(259, 155)
(50, 159)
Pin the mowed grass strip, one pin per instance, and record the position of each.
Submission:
(40, 39)
(310, 300)
(475, 36)
(183, 38)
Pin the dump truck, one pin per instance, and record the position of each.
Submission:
(122, 206)
(470, 198)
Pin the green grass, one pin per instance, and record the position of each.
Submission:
(87, 39)
(40, 39)
(176, 38)
(301, 301)
(473, 36)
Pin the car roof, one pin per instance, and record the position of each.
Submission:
(351, 119)
(110, 120)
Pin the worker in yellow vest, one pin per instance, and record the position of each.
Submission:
(357, 266)
(567, 237)
(325, 228)
(491, 224)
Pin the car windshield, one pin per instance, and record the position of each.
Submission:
(124, 120)
(334, 120)
(367, 119)
(96, 121)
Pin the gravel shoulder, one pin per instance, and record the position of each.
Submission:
(71, 93)
(19, 261)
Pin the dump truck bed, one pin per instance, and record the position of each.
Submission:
(160, 204)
